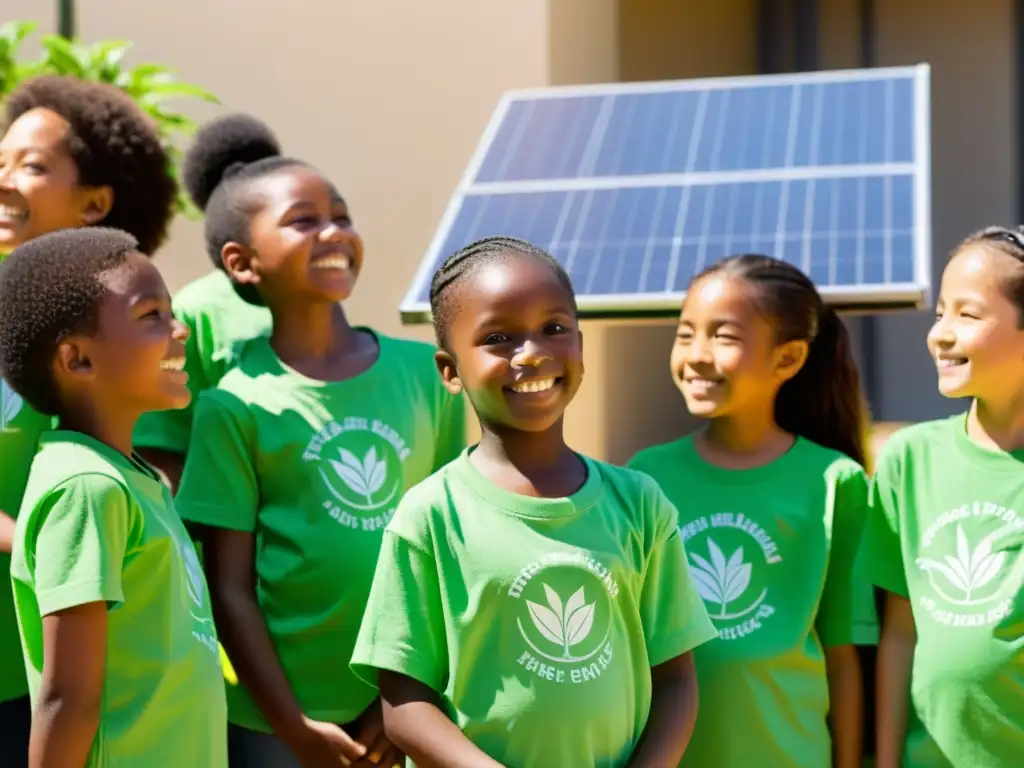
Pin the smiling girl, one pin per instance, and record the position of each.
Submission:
(300, 455)
(772, 496)
(532, 607)
(944, 535)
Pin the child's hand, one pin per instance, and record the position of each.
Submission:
(325, 745)
(379, 750)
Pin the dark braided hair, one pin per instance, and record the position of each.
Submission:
(226, 157)
(475, 255)
(823, 402)
(1009, 241)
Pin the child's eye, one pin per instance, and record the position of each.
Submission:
(555, 328)
(495, 338)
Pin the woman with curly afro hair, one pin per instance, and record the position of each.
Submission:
(72, 154)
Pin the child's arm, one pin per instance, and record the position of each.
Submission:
(846, 712)
(67, 713)
(895, 661)
(76, 538)
(244, 635)
(846, 615)
(674, 622)
(673, 713)
(416, 724)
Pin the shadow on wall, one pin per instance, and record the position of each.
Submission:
(645, 408)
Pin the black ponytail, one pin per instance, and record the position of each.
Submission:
(824, 402)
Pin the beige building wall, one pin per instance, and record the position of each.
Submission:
(390, 97)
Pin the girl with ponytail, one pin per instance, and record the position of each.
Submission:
(772, 494)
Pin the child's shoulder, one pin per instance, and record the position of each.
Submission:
(659, 455)
(413, 355)
(64, 463)
(930, 435)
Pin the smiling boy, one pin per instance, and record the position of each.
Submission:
(112, 606)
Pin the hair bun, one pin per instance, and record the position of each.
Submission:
(223, 147)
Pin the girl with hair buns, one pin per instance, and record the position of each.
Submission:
(299, 456)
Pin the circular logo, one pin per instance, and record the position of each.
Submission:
(564, 616)
(359, 465)
(964, 558)
(10, 404)
(730, 559)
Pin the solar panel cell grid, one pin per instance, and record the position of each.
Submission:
(637, 188)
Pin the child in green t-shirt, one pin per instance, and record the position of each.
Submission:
(300, 454)
(531, 607)
(219, 319)
(74, 154)
(772, 496)
(945, 532)
(112, 607)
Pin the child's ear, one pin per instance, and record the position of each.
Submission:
(72, 360)
(449, 375)
(791, 358)
(238, 263)
(98, 203)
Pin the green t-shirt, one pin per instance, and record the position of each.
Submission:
(218, 321)
(537, 621)
(20, 430)
(315, 469)
(97, 526)
(772, 552)
(945, 530)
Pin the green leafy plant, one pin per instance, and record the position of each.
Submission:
(152, 86)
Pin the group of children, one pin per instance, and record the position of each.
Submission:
(252, 476)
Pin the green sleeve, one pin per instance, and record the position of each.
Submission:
(880, 558)
(170, 430)
(671, 610)
(403, 628)
(846, 615)
(219, 487)
(451, 435)
(80, 535)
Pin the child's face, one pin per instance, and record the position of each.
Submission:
(725, 359)
(303, 246)
(134, 360)
(977, 342)
(515, 345)
(39, 190)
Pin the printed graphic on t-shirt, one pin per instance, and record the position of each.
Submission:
(10, 405)
(967, 559)
(730, 561)
(191, 571)
(359, 463)
(564, 604)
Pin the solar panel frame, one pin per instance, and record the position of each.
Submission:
(873, 297)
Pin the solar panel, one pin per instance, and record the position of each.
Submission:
(635, 188)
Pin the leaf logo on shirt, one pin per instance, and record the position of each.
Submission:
(10, 404)
(364, 477)
(720, 581)
(565, 625)
(968, 571)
